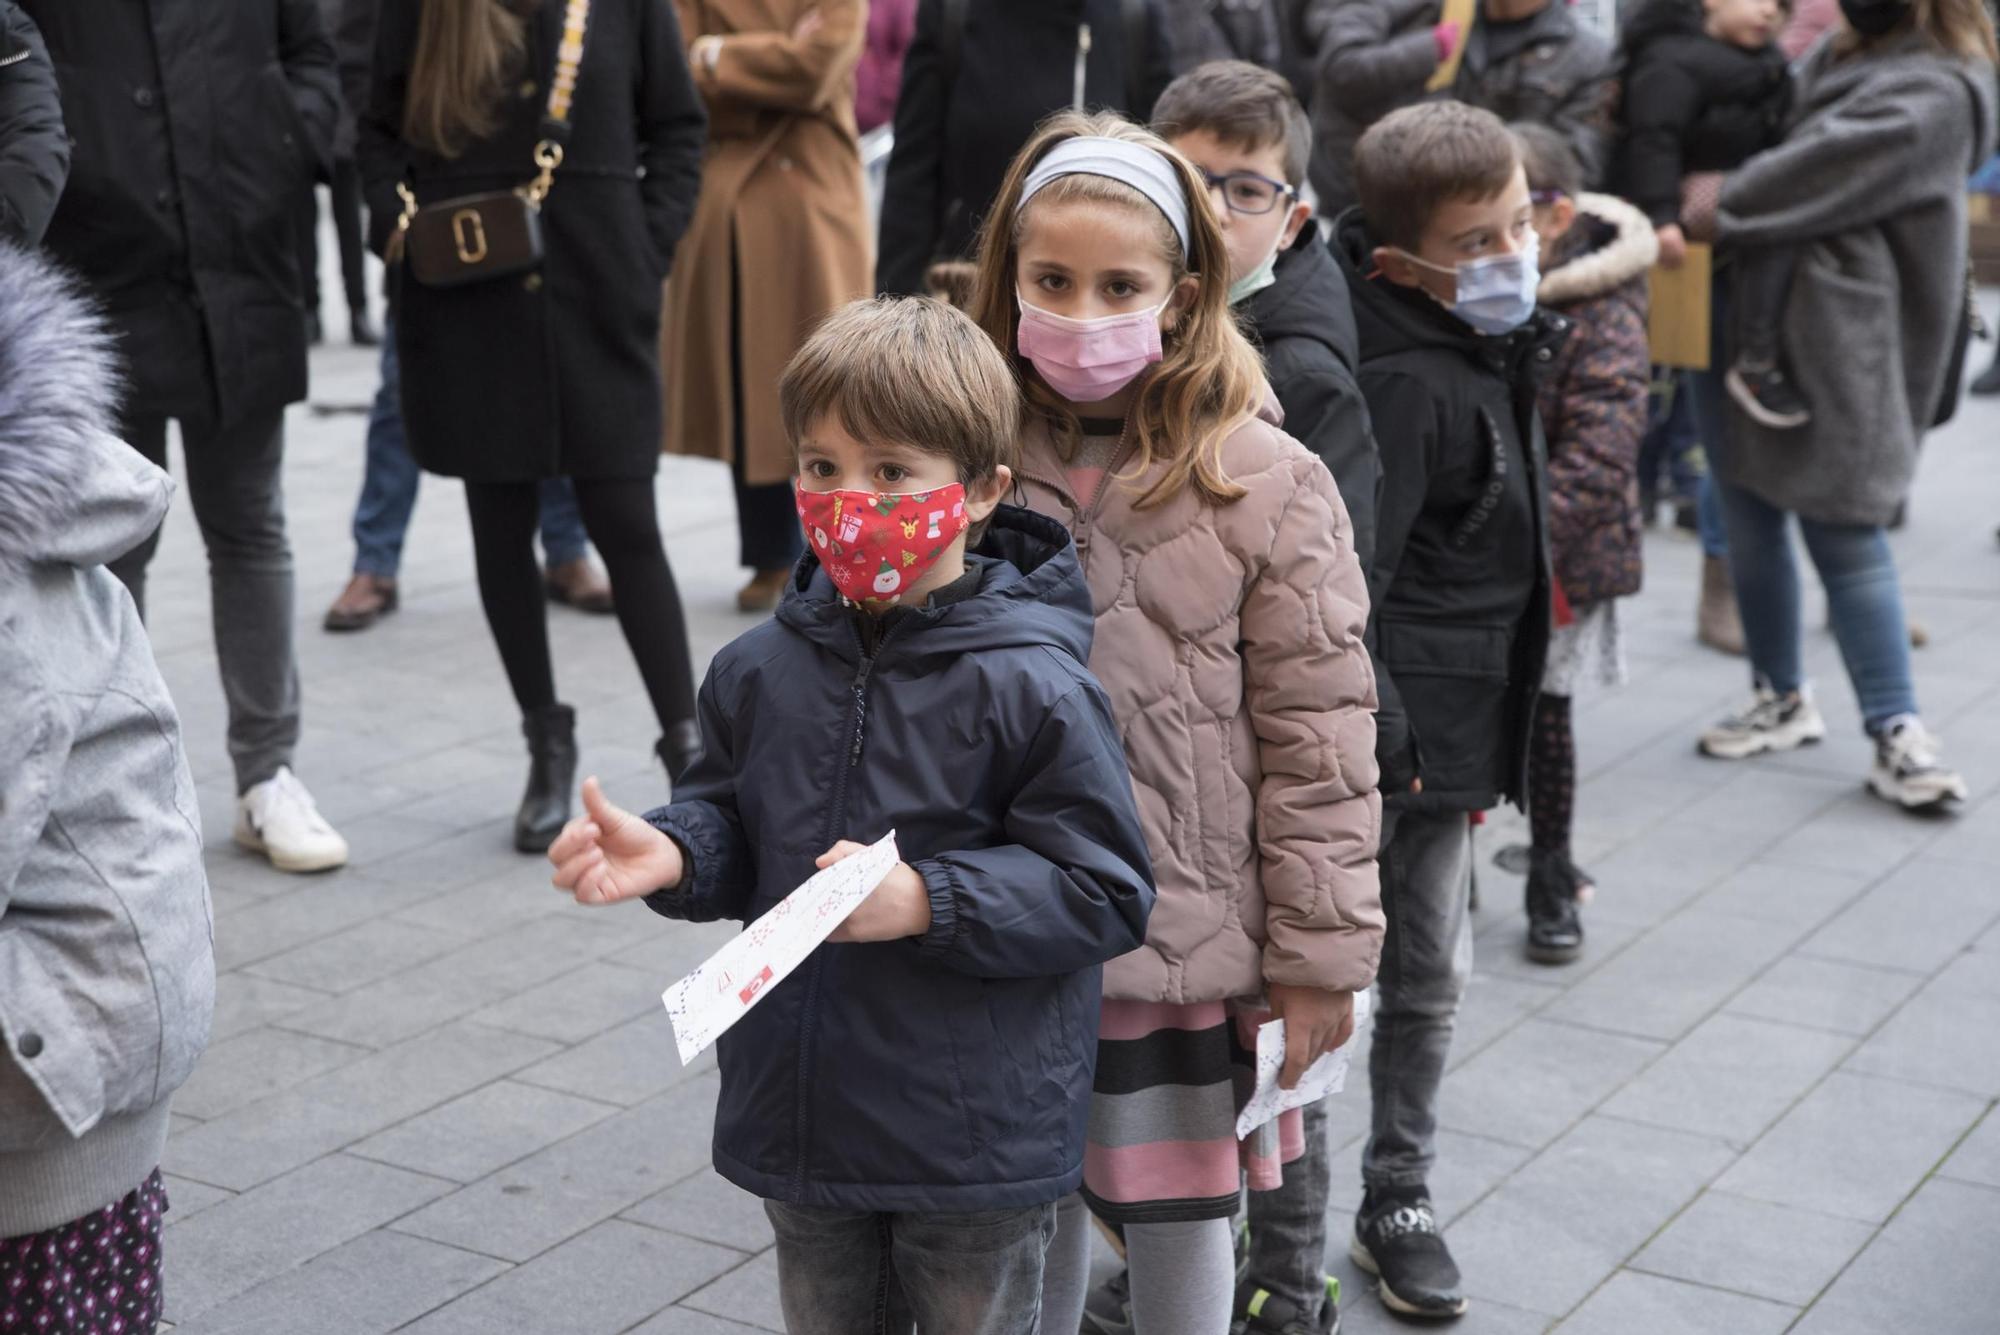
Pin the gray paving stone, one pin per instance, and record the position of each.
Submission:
(327, 905)
(1531, 1085)
(1859, 834)
(1571, 1217)
(1975, 972)
(1467, 1168)
(256, 1065)
(483, 1131)
(1854, 1147)
(1501, 938)
(1977, 1158)
(1930, 1270)
(355, 957)
(1362, 1314)
(709, 1207)
(557, 1193)
(244, 1001)
(1916, 919)
(1668, 980)
(748, 1294)
(1753, 1247)
(667, 950)
(625, 1065)
(1939, 1039)
(238, 1244)
(579, 1005)
(687, 1321)
(1825, 994)
(258, 1141)
(608, 1279)
(1495, 1003)
(186, 1199)
(375, 1283)
(1632, 1302)
(1802, 897)
(1730, 1078)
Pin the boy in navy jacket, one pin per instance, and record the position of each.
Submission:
(912, 1101)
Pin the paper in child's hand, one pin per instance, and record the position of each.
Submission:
(728, 983)
(1323, 1077)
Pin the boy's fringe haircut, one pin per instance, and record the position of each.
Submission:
(1415, 160)
(1243, 105)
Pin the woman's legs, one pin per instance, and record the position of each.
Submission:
(620, 517)
(1767, 586)
(1865, 602)
(1183, 1276)
(504, 515)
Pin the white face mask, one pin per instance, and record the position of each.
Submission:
(1495, 293)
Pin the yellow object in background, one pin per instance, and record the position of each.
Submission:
(1681, 300)
(1461, 12)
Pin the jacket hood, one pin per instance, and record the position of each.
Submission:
(1309, 300)
(70, 491)
(1617, 245)
(1653, 19)
(1031, 591)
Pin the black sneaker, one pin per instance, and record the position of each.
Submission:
(1396, 1239)
(1555, 890)
(1107, 1309)
(1766, 393)
(1261, 1312)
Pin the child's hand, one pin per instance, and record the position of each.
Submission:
(899, 907)
(609, 854)
(1316, 1022)
(1673, 246)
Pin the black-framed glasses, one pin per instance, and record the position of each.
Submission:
(1248, 192)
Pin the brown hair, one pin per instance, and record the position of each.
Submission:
(1414, 160)
(1241, 104)
(911, 370)
(1209, 377)
(467, 51)
(1962, 27)
(1548, 159)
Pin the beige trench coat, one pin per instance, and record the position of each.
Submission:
(781, 196)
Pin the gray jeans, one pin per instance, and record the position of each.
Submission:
(235, 484)
(1426, 863)
(1288, 1226)
(850, 1272)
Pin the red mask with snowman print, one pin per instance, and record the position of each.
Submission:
(875, 545)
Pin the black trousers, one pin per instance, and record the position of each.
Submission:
(346, 193)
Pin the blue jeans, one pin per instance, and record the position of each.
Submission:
(1673, 433)
(389, 487)
(848, 1272)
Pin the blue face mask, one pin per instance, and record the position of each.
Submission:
(1496, 293)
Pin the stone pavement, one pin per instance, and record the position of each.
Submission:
(441, 1098)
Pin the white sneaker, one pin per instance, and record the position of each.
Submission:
(278, 819)
(1773, 722)
(1909, 771)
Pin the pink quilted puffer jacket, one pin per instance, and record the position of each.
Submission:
(1229, 638)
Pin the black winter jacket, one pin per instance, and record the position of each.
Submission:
(1460, 584)
(951, 1072)
(1305, 324)
(957, 135)
(195, 130)
(1691, 103)
(1548, 69)
(34, 152)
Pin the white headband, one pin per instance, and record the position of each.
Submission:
(1144, 169)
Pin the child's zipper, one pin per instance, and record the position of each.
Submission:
(1082, 63)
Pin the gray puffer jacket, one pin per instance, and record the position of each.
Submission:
(107, 971)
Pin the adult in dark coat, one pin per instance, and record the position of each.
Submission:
(511, 380)
(1531, 60)
(194, 129)
(1369, 58)
(34, 152)
(968, 105)
(344, 186)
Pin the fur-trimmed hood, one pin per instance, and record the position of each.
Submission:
(1626, 250)
(70, 491)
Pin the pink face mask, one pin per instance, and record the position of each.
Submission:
(1086, 361)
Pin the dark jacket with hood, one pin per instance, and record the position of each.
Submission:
(949, 1072)
(195, 130)
(107, 971)
(957, 130)
(1691, 103)
(1369, 58)
(34, 152)
(1548, 69)
(1460, 584)
(1304, 322)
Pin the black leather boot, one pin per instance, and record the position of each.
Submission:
(680, 748)
(1555, 927)
(545, 806)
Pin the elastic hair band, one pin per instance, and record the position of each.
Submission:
(1136, 165)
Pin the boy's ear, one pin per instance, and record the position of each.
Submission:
(1301, 215)
(983, 496)
(1395, 266)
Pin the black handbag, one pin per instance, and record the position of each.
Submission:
(496, 234)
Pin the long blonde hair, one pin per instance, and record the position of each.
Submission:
(1961, 28)
(467, 52)
(1209, 377)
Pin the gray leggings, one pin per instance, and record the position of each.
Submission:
(1183, 1275)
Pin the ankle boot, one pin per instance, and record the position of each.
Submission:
(545, 808)
(680, 748)
(1555, 927)
(1718, 624)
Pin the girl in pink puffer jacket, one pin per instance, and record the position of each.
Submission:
(1230, 608)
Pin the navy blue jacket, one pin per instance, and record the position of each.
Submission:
(949, 1072)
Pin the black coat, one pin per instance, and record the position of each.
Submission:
(195, 128)
(34, 152)
(1692, 103)
(1304, 322)
(1460, 584)
(555, 372)
(950, 1072)
(956, 136)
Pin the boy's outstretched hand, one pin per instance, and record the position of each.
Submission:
(899, 907)
(1316, 1022)
(608, 854)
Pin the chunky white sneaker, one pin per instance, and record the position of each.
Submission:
(1909, 771)
(278, 819)
(1773, 722)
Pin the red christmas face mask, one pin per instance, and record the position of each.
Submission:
(876, 545)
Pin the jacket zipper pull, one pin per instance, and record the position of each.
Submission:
(1082, 61)
(860, 710)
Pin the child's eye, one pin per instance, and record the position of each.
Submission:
(1052, 282)
(894, 472)
(819, 468)
(1121, 289)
